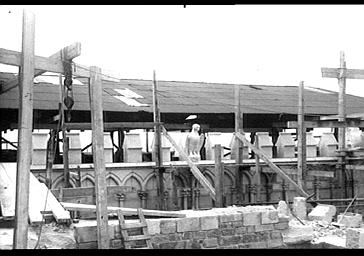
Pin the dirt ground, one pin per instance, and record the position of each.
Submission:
(53, 236)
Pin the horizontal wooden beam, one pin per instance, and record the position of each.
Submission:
(126, 211)
(348, 73)
(321, 174)
(327, 123)
(274, 167)
(69, 52)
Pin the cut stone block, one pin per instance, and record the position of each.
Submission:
(212, 139)
(188, 224)
(74, 148)
(132, 148)
(283, 209)
(355, 238)
(39, 145)
(322, 212)
(299, 207)
(297, 233)
(265, 143)
(234, 149)
(209, 222)
(153, 226)
(166, 149)
(352, 220)
(167, 226)
(311, 145)
(251, 218)
(328, 144)
(285, 145)
(108, 148)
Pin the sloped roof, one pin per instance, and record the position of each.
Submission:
(192, 97)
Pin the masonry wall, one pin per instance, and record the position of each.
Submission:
(223, 228)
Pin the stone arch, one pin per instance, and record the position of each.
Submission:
(113, 178)
(133, 179)
(228, 175)
(180, 181)
(58, 182)
(88, 180)
(150, 186)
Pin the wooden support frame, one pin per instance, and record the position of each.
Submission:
(158, 146)
(69, 52)
(301, 134)
(256, 177)
(326, 123)
(24, 158)
(95, 91)
(238, 128)
(274, 167)
(194, 169)
(219, 177)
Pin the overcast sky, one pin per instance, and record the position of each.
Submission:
(245, 44)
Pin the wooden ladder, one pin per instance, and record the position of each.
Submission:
(129, 240)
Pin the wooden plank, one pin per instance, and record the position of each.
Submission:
(274, 167)
(137, 238)
(123, 231)
(321, 174)
(95, 91)
(219, 177)
(238, 128)
(126, 211)
(349, 73)
(256, 176)
(25, 118)
(157, 145)
(194, 169)
(69, 52)
(145, 228)
(301, 132)
(327, 123)
(342, 103)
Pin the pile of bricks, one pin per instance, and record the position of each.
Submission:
(237, 228)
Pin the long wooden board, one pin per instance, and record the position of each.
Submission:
(126, 211)
(194, 169)
(274, 167)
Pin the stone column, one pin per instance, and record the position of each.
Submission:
(121, 199)
(143, 197)
(332, 186)
(316, 187)
(285, 191)
(197, 198)
(185, 193)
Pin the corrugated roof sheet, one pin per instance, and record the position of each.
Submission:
(194, 97)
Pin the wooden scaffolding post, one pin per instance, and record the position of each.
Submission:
(65, 139)
(257, 180)
(239, 160)
(157, 145)
(95, 93)
(219, 177)
(25, 117)
(301, 132)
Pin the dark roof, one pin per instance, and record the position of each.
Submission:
(194, 97)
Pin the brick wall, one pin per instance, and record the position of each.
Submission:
(222, 228)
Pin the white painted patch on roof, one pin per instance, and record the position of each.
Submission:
(128, 93)
(53, 80)
(318, 90)
(130, 102)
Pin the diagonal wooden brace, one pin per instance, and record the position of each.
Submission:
(67, 53)
(194, 169)
(274, 167)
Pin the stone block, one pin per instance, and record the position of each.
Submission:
(74, 148)
(299, 207)
(132, 148)
(228, 231)
(108, 148)
(167, 226)
(229, 240)
(258, 245)
(173, 245)
(175, 236)
(210, 243)
(297, 233)
(281, 225)
(311, 145)
(285, 145)
(230, 217)
(153, 227)
(252, 218)
(265, 143)
(328, 144)
(116, 244)
(193, 244)
(213, 233)
(188, 224)
(275, 243)
(234, 149)
(198, 234)
(209, 222)
(355, 238)
(270, 217)
(158, 239)
(283, 209)
(351, 220)
(276, 235)
(266, 227)
(241, 230)
(39, 147)
(322, 212)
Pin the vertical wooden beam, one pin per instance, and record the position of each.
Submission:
(219, 177)
(25, 127)
(342, 117)
(95, 92)
(238, 128)
(157, 144)
(257, 180)
(301, 132)
(65, 144)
